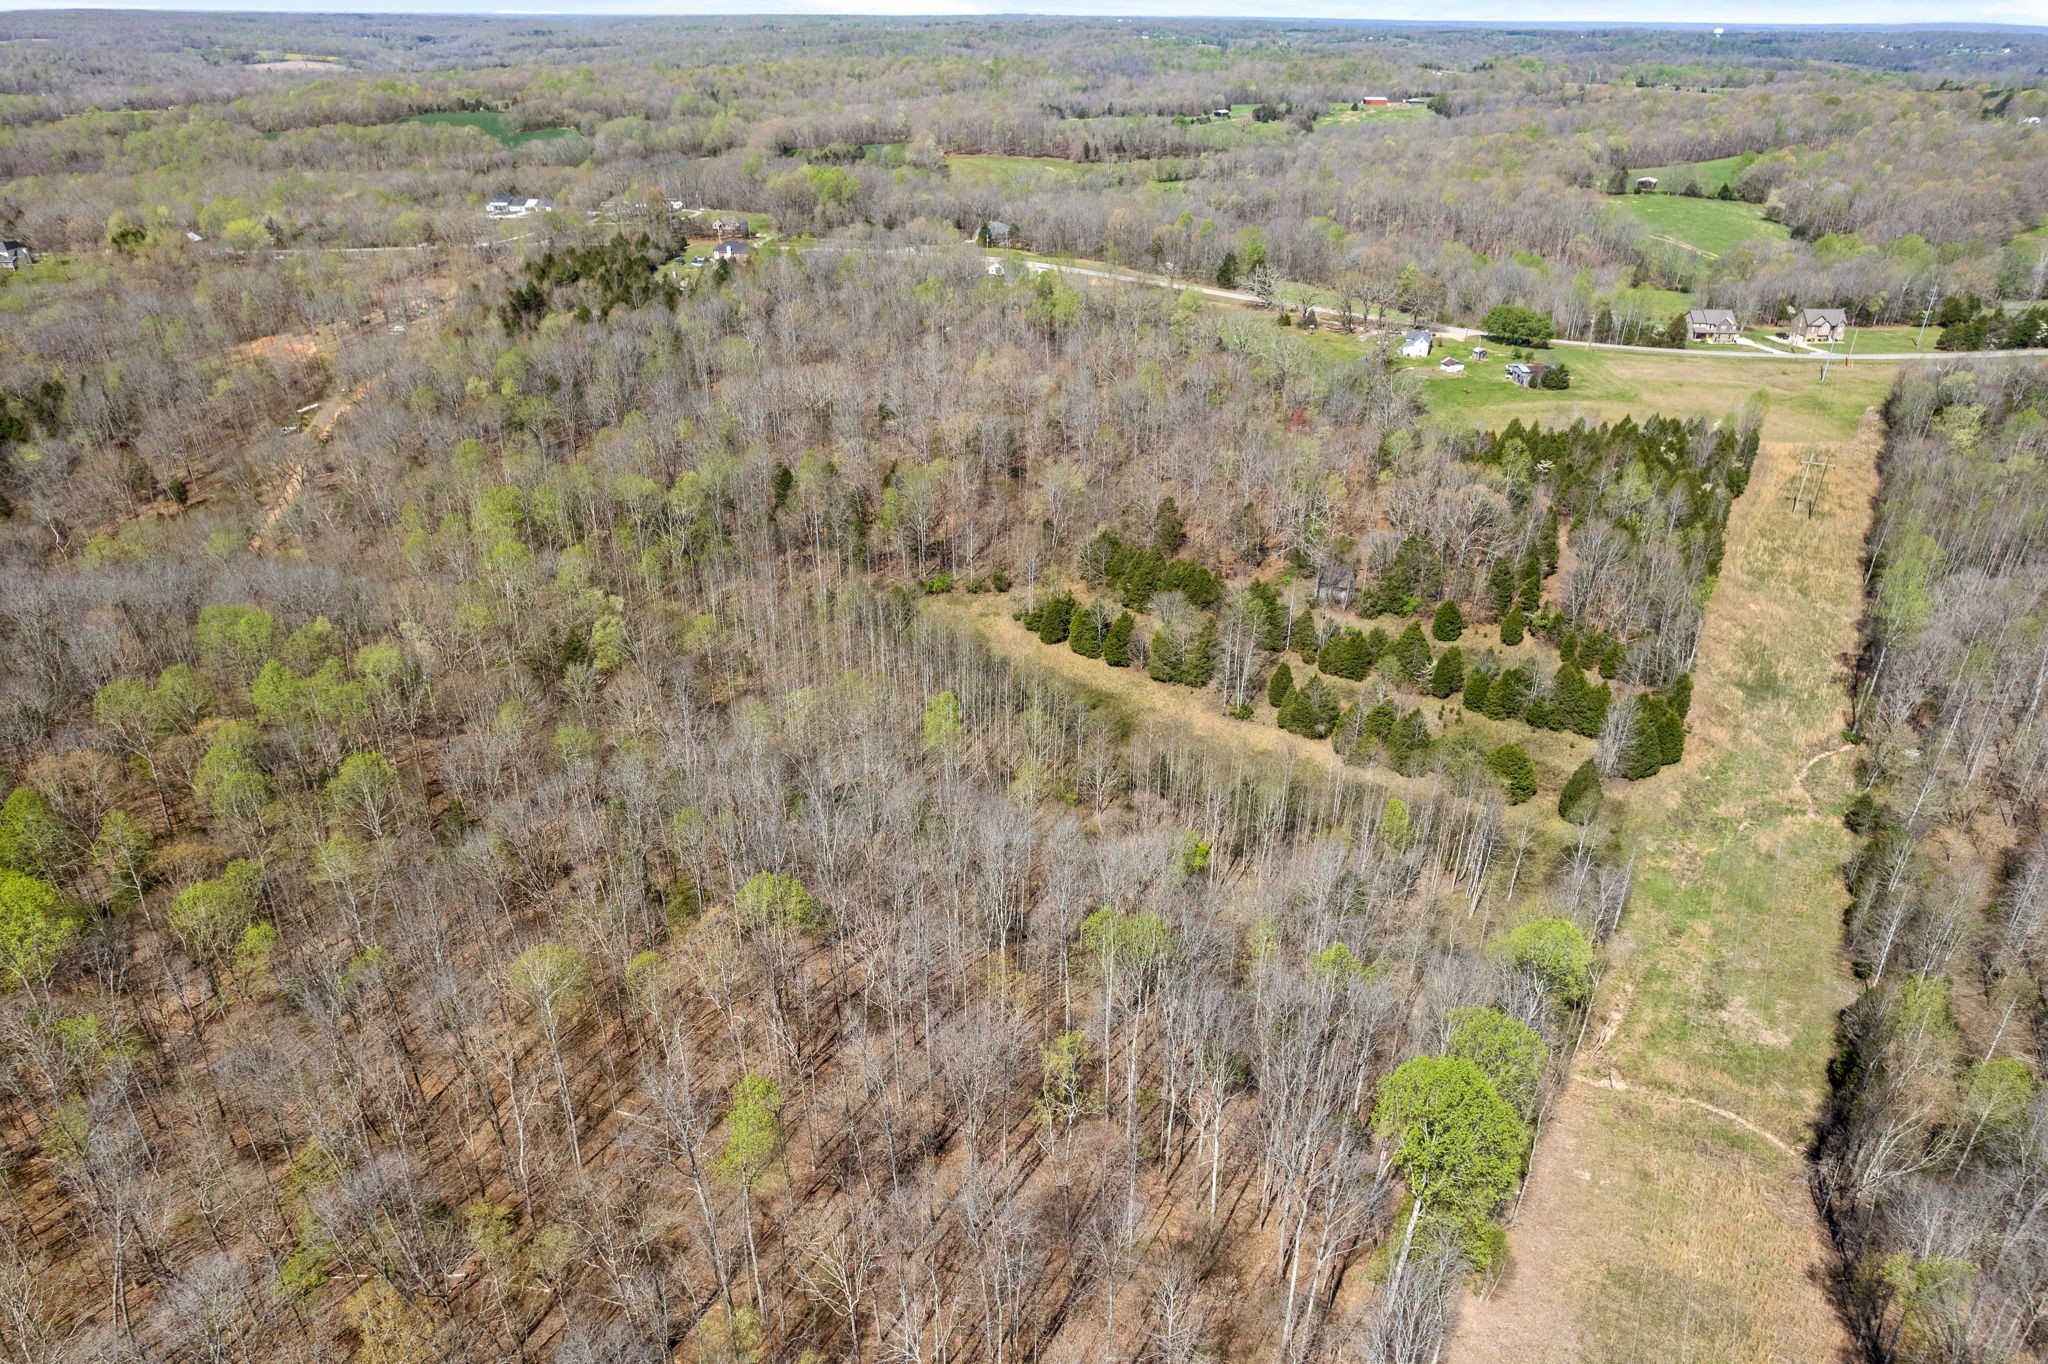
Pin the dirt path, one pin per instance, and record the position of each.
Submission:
(1667, 1215)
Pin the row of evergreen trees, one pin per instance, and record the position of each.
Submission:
(1089, 631)
(1135, 573)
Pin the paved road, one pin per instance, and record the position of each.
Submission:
(1470, 334)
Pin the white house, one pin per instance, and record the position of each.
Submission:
(14, 255)
(516, 206)
(1416, 343)
(995, 267)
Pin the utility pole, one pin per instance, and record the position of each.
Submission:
(1807, 467)
(1932, 295)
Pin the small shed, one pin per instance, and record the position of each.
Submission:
(1645, 184)
(1451, 364)
(14, 255)
(1527, 375)
(1336, 584)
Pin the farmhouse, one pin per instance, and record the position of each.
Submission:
(1527, 375)
(1645, 184)
(1716, 325)
(1416, 343)
(1824, 325)
(516, 206)
(14, 255)
(732, 225)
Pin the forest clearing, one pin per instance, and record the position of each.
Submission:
(1654, 1230)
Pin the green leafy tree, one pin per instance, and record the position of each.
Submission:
(1510, 1052)
(365, 792)
(1448, 623)
(34, 839)
(753, 1136)
(1517, 774)
(210, 916)
(1579, 802)
(1518, 326)
(1558, 953)
(37, 926)
(121, 852)
(942, 723)
(1456, 1141)
(1064, 1095)
(773, 899)
(234, 640)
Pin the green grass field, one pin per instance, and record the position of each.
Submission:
(1609, 385)
(490, 123)
(1712, 227)
(1710, 175)
(971, 169)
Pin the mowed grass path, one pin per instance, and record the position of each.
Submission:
(1654, 1227)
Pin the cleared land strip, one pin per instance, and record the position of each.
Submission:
(1655, 1229)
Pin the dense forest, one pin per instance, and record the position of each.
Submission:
(1931, 1167)
(563, 799)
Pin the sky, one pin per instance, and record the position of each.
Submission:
(1760, 12)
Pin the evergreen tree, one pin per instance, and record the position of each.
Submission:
(1226, 271)
(1084, 633)
(1408, 744)
(1508, 695)
(1680, 695)
(1611, 660)
(1116, 645)
(1164, 657)
(1671, 733)
(1054, 618)
(1449, 622)
(1329, 706)
(1304, 636)
(1568, 649)
(1345, 655)
(1477, 685)
(1580, 799)
(1512, 626)
(1169, 532)
(1449, 674)
(1270, 615)
(1643, 756)
(1517, 774)
(1282, 685)
(1500, 588)
(1309, 711)
(1376, 645)
(1411, 651)
(1379, 722)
